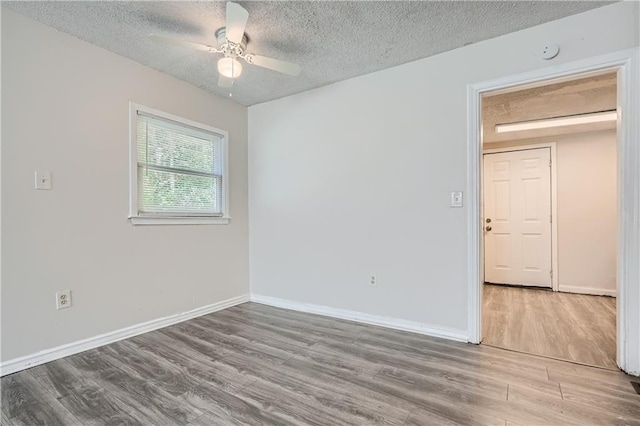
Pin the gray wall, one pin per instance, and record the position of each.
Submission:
(355, 178)
(65, 109)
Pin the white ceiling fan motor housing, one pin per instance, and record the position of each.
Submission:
(230, 48)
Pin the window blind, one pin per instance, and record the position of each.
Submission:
(179, 169)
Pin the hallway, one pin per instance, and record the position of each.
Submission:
(573, 327)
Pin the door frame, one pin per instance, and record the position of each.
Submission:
(554, 202)
(627, 65)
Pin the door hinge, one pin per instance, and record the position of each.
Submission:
(550, 218)
(551, 273)
(549, 163)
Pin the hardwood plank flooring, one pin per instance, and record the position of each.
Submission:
(573, 327)
(257, 365)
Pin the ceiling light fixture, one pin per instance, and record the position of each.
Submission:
(229, 67)
(569, 120)
(232, 42)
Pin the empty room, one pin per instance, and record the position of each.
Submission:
(297, 213)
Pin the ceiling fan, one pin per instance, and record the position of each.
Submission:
(232, 42)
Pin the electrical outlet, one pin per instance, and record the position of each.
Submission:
(63, 299)
(373, 280)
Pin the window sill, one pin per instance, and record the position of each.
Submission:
(150, 220)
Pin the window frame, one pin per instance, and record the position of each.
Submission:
(185, 218)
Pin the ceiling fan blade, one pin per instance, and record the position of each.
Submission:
(274, 64)
(169, 40)
(225, 82)
(236, 22)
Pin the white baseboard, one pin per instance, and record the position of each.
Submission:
(586, 290)
(28, 361)
(397, 324)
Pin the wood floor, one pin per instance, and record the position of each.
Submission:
(574, 327)
(253, 364)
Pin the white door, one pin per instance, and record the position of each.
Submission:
(517, 217)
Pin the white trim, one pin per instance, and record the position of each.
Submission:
(626, 62)
(28, 361)
(475, 248)
(520, 147)
(192, 220)
(137, 219)
(554, 199)
(587, 290)
(628, 273)
(394, 323)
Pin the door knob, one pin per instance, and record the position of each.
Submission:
(488, 228)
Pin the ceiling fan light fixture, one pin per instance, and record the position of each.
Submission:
(229, 67)
(232, 42)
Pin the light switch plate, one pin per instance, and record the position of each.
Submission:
(43, 180)
(456, 199)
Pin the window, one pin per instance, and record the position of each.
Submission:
(178, 170)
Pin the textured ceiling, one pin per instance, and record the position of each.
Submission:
(581, 95)
(331, 41)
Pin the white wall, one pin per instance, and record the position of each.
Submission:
(65, 109)
(587, 210)
(354, 178)
(587, 213)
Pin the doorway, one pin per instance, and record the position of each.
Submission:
(578, 324)
(625, 64)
